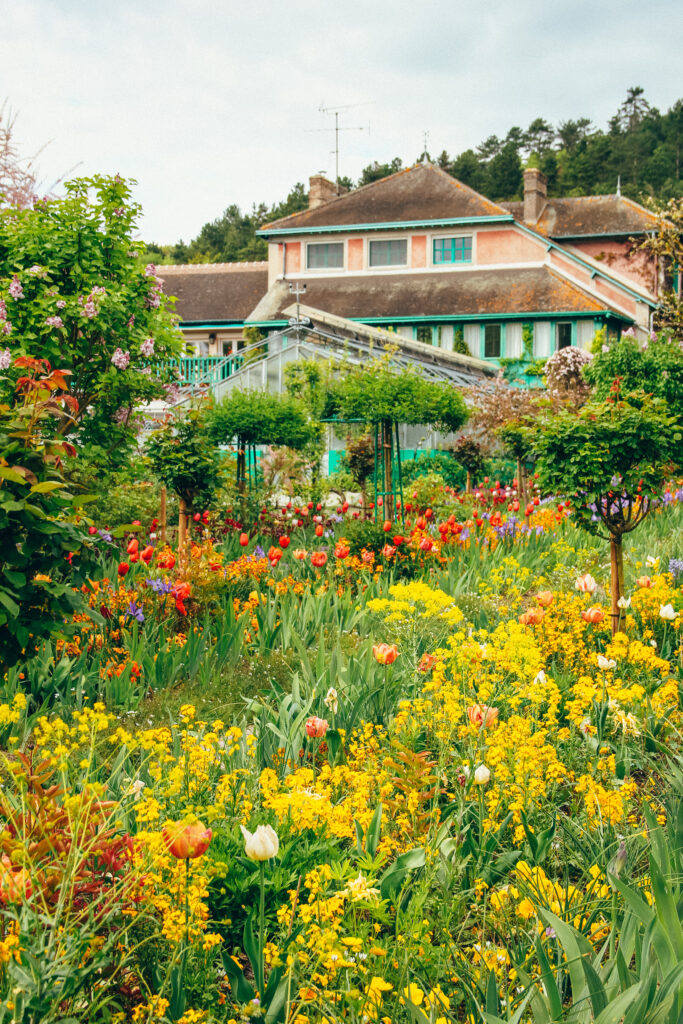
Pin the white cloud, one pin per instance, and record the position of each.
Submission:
(207, 104)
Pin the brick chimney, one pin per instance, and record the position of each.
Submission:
(535, 194)
(321, 190)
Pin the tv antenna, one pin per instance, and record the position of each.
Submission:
(340, 128)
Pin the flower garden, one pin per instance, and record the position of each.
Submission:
(405, 753)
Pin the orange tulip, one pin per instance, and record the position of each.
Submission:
(244, 539)
(532, 618)
(482, 715)
(385, 654)
(316, 727)
(545, 598)
(594, 614)
(186, 840)
(319, 530)
(133, 545)
(341, 551)
(388, 551)
(300, 554)
(427, 662)
(644, 581)
(318, 559)
(147, 553)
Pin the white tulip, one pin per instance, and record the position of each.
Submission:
(482, 775)
(624, 602)
(667, 612)
(540, 677)
(652, 563)
(261, 844)
(586, 584)
(605, 663)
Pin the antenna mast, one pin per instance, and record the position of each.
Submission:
(337, 110)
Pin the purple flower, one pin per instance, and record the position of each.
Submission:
(259, 552)
(5, 359)
(134, 611)
(147, 347)
(120, 359)
(159, 586)
(15, 289)
(54, 321)
(150, 270)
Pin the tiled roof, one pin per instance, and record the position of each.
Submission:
(585, 216)
(208, 292)
(466, 293)
(422, 192)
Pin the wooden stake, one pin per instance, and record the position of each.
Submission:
(162, 514)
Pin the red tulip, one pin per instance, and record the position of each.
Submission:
(318, 559)
(319, 530)
(92, 530)
(244, 540)
(133, 545)
(186, 841)
(123, 568)
(341, 551)
(147, 553)
(398, 540)
(387, 526)
(426, 544)
(284, 542)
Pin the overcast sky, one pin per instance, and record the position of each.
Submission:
(212, 102)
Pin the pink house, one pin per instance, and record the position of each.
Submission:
(428, 257)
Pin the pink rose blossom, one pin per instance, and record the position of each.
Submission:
(15, 289)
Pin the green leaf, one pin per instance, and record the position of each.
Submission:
(7, 473)
(45, 486)
(11, 606)
(373, 833)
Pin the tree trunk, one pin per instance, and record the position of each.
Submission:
(617, 577)
(468, 483)
(162, 515)
(521, 490)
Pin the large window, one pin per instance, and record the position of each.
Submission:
(492, 341)
(564, 335)
(389, 252)
(452, 250)
(325, 255)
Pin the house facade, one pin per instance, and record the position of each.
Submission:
(428, 258)
(423, 255)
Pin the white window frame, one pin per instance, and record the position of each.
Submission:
(389, 266)
(326, 270)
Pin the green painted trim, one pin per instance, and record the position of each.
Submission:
(459, 317)
(582, 263)
(442, 222)
(604, 234)
(266, 323)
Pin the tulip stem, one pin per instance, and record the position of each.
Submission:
(261, 967)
